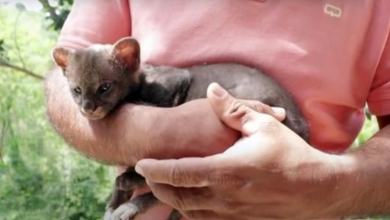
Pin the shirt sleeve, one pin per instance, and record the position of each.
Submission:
(379, 96)
(97, 21)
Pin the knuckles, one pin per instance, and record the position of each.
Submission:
(252, 111)
(235, 111)
(178, 200)
(226, 180)
(175, 175)
(260, 107)
(195, 215)
(247, 109)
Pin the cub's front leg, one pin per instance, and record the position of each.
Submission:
(125, 184)
(122, 207)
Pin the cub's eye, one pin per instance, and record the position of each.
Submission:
(104, 88)
(77, 90)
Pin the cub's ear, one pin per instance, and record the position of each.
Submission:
(127, 51)
(60, 56)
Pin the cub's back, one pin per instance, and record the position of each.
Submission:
(248, 83)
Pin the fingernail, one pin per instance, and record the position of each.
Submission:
(139, 170)
(279, 111)
(218, 90)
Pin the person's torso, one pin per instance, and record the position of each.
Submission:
(325, 52)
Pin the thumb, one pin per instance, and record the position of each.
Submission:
(235, 112)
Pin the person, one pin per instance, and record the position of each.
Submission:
(332, 55)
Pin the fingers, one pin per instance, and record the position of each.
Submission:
(235, 112)
(184, 198)
(208, 215)
(196, 203)
(189, 172)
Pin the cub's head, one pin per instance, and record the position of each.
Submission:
(100, 76)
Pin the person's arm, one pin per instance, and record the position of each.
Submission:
(370, 182)
(369, 191)
(134, 132)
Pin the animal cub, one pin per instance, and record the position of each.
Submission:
(101, 77)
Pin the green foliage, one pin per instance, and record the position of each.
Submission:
(369, 128)
(57, 15)
(40, 176)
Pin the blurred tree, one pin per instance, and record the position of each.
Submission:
(41, 177)
(56, 14)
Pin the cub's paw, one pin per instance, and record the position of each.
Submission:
(108, 214)
(127, 211)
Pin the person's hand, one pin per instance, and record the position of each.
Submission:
(188, 130)
(270, 173)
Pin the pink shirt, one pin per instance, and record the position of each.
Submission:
(332, 55)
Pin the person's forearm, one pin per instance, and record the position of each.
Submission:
(104, 140)
(134, 132)
(366, 191)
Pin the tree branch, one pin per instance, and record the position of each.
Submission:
(52, 10)
(4, 63)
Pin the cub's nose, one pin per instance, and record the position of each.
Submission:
(88, 107)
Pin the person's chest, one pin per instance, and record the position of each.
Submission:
(325, 52)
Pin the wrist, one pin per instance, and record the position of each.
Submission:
(343, 194)
(358, 190)
(327, 185)
(368, 184)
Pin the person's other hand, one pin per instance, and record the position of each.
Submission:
(193, 129)
(270, 173)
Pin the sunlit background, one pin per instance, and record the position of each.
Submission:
(28, 4)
